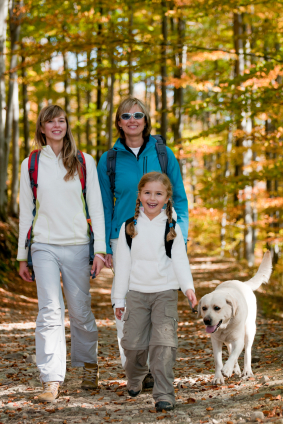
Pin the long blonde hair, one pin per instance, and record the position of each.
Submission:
(125, 106)
(69, 151)
(149, 178)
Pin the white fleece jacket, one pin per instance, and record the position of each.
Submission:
(146, 267)
(60, 211)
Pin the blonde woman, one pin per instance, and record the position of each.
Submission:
(60, 244)
(136, 154)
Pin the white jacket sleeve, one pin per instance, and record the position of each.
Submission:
(181, 263)
(122, 270)
(95, 206)
(26, 208)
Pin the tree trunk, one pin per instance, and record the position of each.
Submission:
(131, 85)
(3, 170)
(164, 70)
(78, 95)
(66, 84)
(16, 154)
(25, 109)
(88, 100)
(111, 82)
(15, 33)
(99, 146)
(178, 92)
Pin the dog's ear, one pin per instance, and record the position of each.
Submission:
(232, 302)
(199, 309)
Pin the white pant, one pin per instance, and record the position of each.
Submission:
(119, 323)
(73, 263)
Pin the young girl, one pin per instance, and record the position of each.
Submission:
(60, 244)
(150, 279)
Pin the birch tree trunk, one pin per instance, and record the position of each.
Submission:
(111, 82)
(25, 108)
(14, 18)
(164, 70)
(3, 170)
(16, 153)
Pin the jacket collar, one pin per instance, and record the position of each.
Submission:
(121, 145)
(48, 152)
(159, 218)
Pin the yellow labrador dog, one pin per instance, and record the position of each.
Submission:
(229, 314)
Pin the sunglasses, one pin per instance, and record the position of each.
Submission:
(136, 115)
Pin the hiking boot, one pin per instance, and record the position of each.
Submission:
(132, 393)
(162, 404)
(90, 376)
(50, 391)
(148, 381)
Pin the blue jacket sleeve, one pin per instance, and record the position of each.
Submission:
(107, 198)
(180, 201)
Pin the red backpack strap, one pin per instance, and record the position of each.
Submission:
(82, 171)
(33, 173)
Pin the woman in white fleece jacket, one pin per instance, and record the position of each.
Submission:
(150, 280)
(60, 244)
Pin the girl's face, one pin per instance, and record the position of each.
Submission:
(55, 129)
(153, 196)
(132, 127)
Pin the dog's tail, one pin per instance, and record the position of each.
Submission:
(263, 273)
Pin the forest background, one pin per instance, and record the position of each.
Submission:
(209, 71)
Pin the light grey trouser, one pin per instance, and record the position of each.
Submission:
(151, 322)
(119, 322)
(73, 263)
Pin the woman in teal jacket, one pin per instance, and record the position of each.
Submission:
(136, 155)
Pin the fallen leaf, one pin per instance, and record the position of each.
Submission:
(209, 408)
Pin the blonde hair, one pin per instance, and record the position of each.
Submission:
(69, 151)
(125, 106)
(163, 179)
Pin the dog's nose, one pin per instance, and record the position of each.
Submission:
(207, 321)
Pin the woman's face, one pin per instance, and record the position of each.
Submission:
(55, 129)
(133, 127)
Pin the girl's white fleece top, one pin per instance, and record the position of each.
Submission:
(60, 207)
(146, 267)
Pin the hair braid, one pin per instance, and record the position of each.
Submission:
(131, 229)
(172, 233)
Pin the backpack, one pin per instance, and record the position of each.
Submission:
(33, 175)
(168, 244)
(161, 151)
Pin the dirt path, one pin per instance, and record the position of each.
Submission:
(255, 399)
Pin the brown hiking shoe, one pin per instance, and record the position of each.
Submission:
(90, 377)
(50, 391)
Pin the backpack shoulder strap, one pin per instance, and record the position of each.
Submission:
(161, 150)
(82, 174)
(168, 244)
(111, 168)
(33, 173)
(129, 238)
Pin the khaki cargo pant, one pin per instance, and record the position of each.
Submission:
(150, 326)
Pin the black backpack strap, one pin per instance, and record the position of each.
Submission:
(111, 168)
(168, 244)
(129, 238)
(161, 150)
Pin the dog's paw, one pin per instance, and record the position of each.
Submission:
(218, 379)
(227, 370)
(237, 370)
(247, 372)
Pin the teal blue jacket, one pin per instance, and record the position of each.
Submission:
(129, 170)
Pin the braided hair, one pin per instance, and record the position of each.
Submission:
(165, 181)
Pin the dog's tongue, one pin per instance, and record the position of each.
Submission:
(210, 328)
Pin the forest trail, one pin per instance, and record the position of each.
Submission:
(257, 399)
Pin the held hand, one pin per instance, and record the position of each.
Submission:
(119, 313)
(192, 297)
(24, 271)
(97, 265)
(108, 260)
